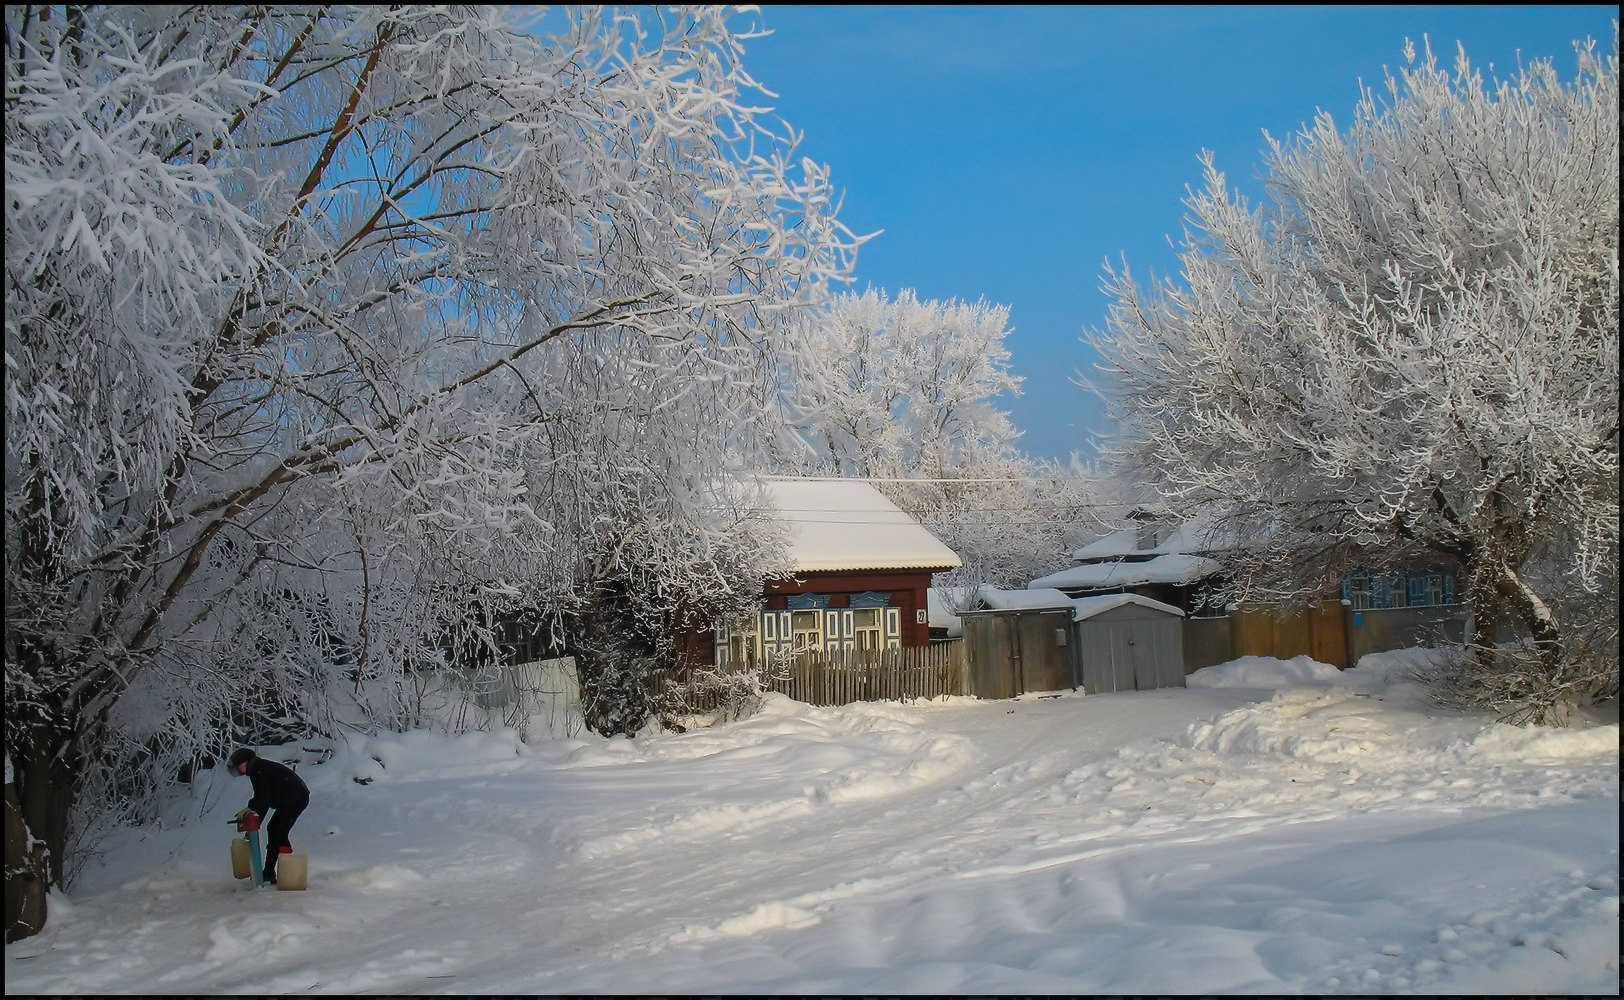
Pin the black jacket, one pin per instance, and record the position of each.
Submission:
(276, 787)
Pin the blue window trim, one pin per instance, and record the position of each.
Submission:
(1414, 583)
(870, 599)
(808, 602)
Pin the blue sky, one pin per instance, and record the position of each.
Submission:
(1007, 152)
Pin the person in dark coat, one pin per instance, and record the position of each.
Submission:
(275, 787)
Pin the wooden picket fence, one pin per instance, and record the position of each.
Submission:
(836, 677)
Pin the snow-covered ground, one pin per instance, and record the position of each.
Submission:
(1275, 828)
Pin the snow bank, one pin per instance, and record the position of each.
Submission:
(1263, 672)
(1537, 743)
(418, 755)
(1397, 669)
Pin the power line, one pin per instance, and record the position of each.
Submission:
(1006, 480)
(948, 510)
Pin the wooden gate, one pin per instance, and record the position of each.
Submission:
(1012, 652)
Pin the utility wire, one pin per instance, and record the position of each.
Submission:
(1009, 480)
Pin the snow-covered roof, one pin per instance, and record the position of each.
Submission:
(1171, 569)
(843, 524)
(1194, 535)
(1022, 600)
(1082, 608)
(1088, 607)
(1113, 546)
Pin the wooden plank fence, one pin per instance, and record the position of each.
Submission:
(836, 677)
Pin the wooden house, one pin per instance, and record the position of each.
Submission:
(861, 574)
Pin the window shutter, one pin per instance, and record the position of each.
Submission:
(893, 626)
(1449, 588)
(1418, 591)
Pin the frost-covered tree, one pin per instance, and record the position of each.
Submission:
(332, 333)
(906, 392)
(1009, 520)
(1411, 345)
(881, 387)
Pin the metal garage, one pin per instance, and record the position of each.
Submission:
(1124, 642)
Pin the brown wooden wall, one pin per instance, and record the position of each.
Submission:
(906, 587)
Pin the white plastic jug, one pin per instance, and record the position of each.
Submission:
(241, 865)
(292, 870)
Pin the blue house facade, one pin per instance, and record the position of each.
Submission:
(1370, 590)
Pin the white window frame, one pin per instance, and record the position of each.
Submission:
(1360, 597)
(868, 628)
(1398, 591)
(802, 639)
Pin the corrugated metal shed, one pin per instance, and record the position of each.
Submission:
(1128, 646)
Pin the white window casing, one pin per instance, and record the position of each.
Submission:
(893, 627)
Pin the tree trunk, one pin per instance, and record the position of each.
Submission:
(26, 876)
(1534, 613)
(38, 804)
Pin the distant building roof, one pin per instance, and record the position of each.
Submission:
(1197, 535)
(1172, 569)
(1113, 546)
(1088, 607)
(1005, 600)
(1082, 608)
(845, 524)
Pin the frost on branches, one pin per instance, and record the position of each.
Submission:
(902, 389)
(1411, 346)
(332, 333)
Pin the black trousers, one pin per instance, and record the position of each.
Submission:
(276, 833)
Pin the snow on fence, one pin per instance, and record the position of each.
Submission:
(836, 677)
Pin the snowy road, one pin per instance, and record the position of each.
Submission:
(1319, 839)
